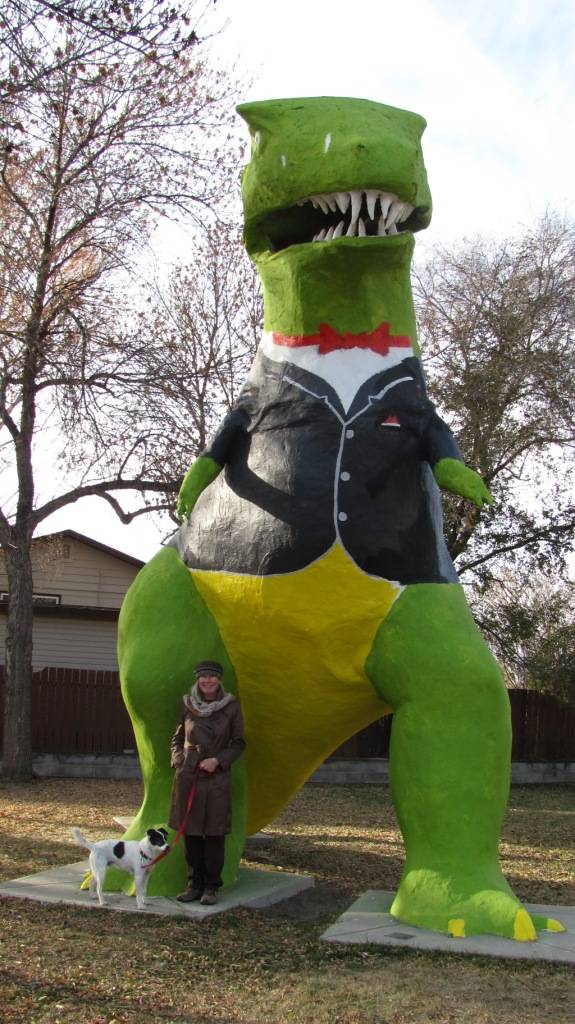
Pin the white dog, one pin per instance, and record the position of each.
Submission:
(129, 855)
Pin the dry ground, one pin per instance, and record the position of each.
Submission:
(61, 965)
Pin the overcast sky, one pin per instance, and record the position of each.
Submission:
(496, 86)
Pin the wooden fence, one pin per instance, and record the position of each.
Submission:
(77, 711)
(543, 730)
(81, 711)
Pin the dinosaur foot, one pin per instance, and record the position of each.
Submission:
(475, 904)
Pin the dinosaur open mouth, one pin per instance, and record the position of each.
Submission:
(360, 213)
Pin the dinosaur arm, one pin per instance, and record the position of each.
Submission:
(210, 463)
(453, 475)
(448, 466)
(199, 476)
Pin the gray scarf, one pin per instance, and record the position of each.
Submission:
(195, 702)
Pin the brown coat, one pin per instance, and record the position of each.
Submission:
(219, 735)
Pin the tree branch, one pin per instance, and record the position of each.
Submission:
(128, 517)
(542, 534)
(101, 490)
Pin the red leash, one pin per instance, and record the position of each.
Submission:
(180, 831)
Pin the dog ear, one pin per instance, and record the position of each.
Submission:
(157, 831)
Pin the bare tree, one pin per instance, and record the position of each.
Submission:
(196, 338)
(529, 624)
(93, 150)
(497, 323)
(154, 29)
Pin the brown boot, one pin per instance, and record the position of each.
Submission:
(209, 898)
(190, 895)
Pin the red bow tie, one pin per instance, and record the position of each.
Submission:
(328, 340)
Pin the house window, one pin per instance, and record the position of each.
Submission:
(37, 598)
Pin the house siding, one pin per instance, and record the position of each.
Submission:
(70, 643)
(83, 576)
(78, 573)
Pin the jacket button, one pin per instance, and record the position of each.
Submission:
(349, 433)
(342, 516)
(344, 476)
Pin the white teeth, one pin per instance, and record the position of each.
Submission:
(371, 198)
(356, 198)
(385, 203)
(407, 210)
(342, 199)
(394, 213)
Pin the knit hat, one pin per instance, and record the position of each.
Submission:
(208, 668)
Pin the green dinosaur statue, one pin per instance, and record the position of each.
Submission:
(311, 560)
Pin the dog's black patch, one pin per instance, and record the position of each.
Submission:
(157, 836)
(119, 849)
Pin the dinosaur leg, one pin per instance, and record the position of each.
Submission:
(449, 765)
(164, 630)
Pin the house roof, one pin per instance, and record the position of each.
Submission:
(74, 535)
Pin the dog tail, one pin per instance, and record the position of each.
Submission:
(81, 840)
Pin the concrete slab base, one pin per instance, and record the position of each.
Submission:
(368, 921)
(123, 820)
(62, 885)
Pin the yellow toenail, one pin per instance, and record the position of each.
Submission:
(523, 927)
(554, 926)
(456, 927)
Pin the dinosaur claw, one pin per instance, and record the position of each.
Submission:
(523, 927)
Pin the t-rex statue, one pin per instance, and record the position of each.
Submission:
(311, 560)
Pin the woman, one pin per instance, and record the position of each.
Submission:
(206, 743)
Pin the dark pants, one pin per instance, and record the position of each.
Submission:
(205, 857)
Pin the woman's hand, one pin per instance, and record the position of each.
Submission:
(209, 764)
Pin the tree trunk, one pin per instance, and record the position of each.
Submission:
(17, 756)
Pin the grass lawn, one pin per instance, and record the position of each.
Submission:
(61, 965)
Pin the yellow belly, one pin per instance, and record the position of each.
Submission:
(298, 643)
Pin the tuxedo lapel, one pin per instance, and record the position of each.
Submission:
(269, 377)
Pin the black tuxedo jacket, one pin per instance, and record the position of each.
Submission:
(301, 472)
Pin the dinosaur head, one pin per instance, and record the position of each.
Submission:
(328, 171)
